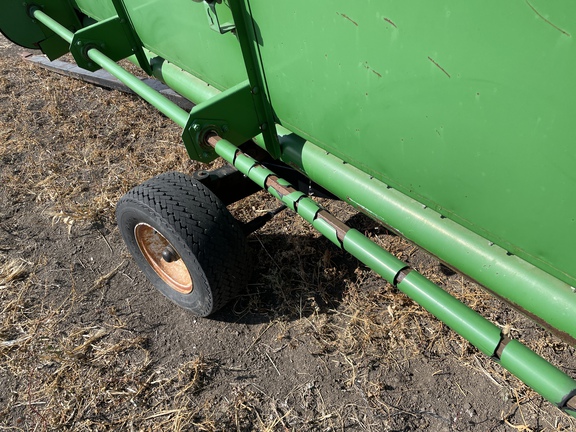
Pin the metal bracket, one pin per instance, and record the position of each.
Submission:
(107, 36)
(214, 20)
(249, 44)
(231, 115)
(132, 36)
(114, 37)
(17, 24)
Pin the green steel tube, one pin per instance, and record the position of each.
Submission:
(469, 324)
(545, 298)
(182, 82)
(536, 372)
(185, 84)
(53, 25)
(164, 105)
(533, 370)
(370, 254)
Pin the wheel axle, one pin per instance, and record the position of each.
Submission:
(170, 255)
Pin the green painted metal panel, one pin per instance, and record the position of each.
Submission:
(466, 106)
(178, 30)
(527, 287)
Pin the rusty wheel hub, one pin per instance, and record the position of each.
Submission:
(163, 258)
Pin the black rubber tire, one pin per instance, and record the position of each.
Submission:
(205, 235)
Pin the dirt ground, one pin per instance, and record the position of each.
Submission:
(317, 342)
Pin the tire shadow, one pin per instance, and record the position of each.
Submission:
(295, 276)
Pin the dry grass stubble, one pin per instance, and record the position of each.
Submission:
(77, 151)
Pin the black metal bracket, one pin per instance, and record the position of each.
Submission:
(227, 183)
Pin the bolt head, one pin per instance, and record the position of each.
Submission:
(170, 255)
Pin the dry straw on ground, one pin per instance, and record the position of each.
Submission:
(68, 152)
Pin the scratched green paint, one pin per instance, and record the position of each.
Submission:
(465, 106)
(178, 30)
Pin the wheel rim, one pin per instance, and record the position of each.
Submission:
(152, 244)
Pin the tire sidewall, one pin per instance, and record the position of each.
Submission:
(200, 300)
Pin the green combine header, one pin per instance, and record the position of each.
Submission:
(449, 122)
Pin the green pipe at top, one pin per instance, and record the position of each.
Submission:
(164, 105)
(183, 83)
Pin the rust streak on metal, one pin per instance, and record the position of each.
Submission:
(501, 345)
(348, 18)
(388, 20)
(272, 181)
(367, 66)
(401, 275)
(558, 333)
(439, 67)
(212, 139)
(545, 20)
(340, 227)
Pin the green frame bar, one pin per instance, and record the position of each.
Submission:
(550, 382)
(541, 296)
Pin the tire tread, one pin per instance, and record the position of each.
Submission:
(206, 227)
